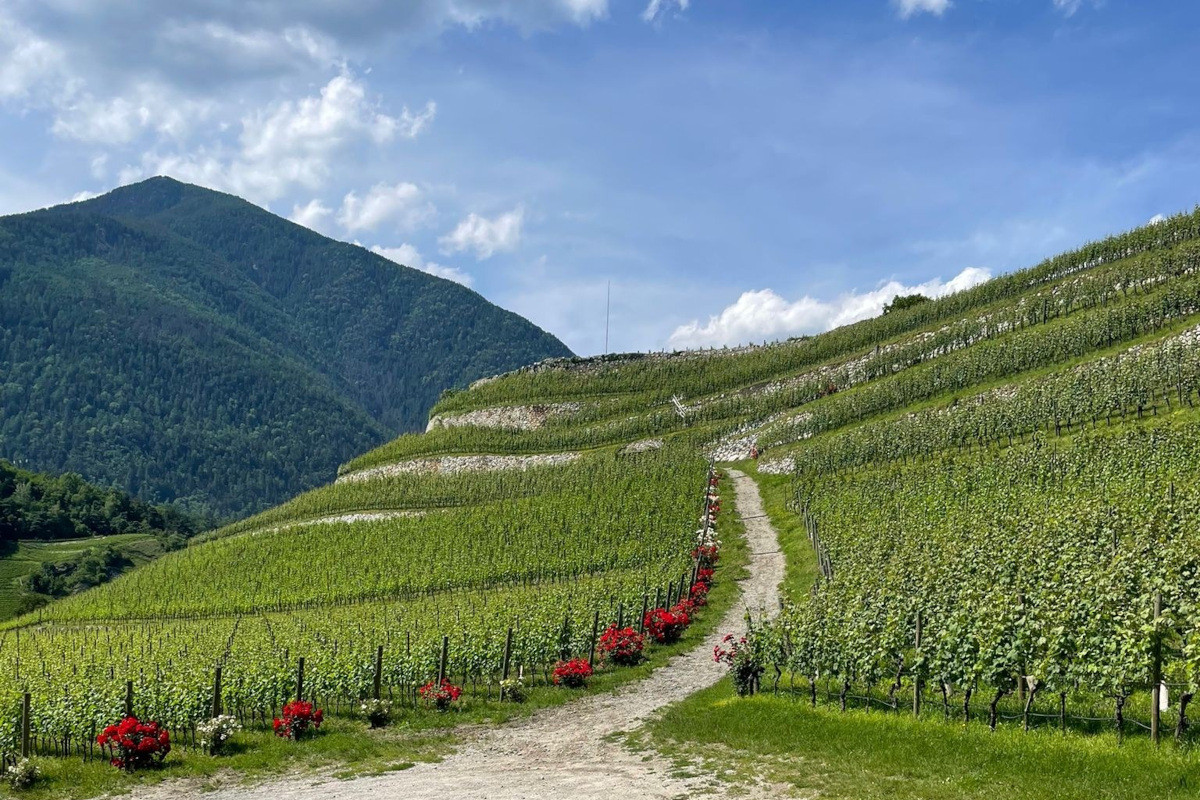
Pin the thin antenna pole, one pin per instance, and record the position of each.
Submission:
(607, 308)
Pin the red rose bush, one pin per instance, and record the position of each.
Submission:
(440, 695)
(621, 646)
(134, 745)
(297, 719)
(573, 674)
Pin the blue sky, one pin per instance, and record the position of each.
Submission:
(739, 171)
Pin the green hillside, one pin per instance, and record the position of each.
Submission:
(1011, 468)
(190, 347)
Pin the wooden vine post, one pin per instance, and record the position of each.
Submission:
(916, 675)
(1156, 675)
(300, 679)
(216, 699)
(25, 738)
(504, 666)
(129, 698)
(595, 633)
(378, 672)
(442, 660)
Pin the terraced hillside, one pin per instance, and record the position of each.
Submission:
(1007, 468)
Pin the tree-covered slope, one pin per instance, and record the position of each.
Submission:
(189, 346)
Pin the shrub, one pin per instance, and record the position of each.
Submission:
(572, 674)
(512, 689)
(216, 732)
(744, 660)
(621, 646)
(440, 695)
(23, 774)
(134, 745)
(704, 575)
(377, 712)
(664, 626)
(297, 719)
(699, 594)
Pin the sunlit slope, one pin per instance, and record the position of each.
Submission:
(568, 494)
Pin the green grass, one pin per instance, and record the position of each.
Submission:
(346, 748)
(27, 556)
(866, 755)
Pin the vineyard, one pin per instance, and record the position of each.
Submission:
(997, 488)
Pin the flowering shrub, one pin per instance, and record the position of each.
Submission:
(744, 661)
(621, 646)
(573, 674)
(699, 594)
(134, 745)
(215, 732)
(377, 712)
(440, 695)
(512, 689)
(666, 626)
(297, 719)
(23, 774)
(705, 575)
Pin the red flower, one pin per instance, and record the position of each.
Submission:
(440, 695)
(621, 645)
(298, 717)
(134, 745)
(572, 674)
(666, 626)
(699, 594)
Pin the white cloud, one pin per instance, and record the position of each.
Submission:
(120, 120)
(402, 204)
(311, 215)
(1157, 219)
(485, 236)
(26, 59)
(1068, 7)
(409, 256)
(764, 315)
(660, 7)
(411, 125)
(286, 144)
(908, 8)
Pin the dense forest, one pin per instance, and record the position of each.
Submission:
(195, 349)
(49, 507)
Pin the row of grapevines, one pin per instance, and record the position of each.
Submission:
(699, 373)
(1135, 381)
(636, 517)
(1041, 561)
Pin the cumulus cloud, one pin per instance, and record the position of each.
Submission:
(485, 236)
(403, 205)
(1157, 219)
(26, 60)
(655, 8)
(285, 144)
(908, 8)
(409, 256)
(764, 315)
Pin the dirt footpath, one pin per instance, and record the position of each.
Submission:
(565, 752)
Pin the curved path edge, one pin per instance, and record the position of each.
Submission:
(566, 751)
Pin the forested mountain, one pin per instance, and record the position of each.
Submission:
(190, 347)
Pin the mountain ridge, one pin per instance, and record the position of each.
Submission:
(271, 353)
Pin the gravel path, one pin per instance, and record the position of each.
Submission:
(565, 752)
